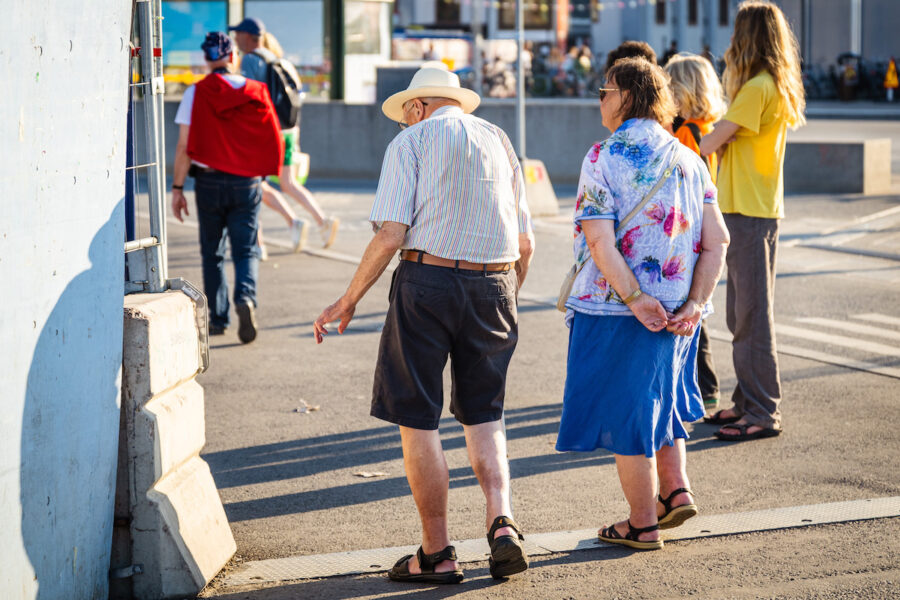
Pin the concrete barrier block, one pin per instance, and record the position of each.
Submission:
(838, 167)
(539, 192)
(165, 323)
(168, 431)
(190, 540)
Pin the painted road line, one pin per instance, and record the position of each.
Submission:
(837, 340)
(877, 318)
(476, 550)
(827, 237)
(852, 327)
(823, 357)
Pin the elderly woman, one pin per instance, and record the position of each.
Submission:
(652, 241)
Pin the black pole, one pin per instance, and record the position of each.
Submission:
(335, 27)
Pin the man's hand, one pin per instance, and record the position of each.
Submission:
(685, 319)
(341, 310)
(179, 203)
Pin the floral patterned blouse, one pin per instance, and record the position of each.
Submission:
(661, 242)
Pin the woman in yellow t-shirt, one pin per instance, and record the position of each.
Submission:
(762, 82)
(700, 101)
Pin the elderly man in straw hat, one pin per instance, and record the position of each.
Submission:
(451, 199)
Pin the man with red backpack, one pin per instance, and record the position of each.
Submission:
(229, 138)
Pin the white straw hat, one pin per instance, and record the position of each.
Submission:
(430, 82)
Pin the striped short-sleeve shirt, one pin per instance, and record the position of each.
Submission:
(454, 179)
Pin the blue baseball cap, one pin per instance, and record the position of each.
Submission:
(216, 45)
(249, 25)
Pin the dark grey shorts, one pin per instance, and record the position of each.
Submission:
(436, 312)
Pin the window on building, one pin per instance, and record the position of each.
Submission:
(660, 13)
(723, 13)
(538, 15)
(186, 25)
(692, 12)
(299, 26)
(447, 12)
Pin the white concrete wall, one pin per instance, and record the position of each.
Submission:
(62, 122)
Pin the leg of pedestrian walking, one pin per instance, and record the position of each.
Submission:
(211, 225)
(429, 480)
(638, 477)
(243, 226)
(675, 503)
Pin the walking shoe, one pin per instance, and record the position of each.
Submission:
(299, 233)
(216, 330)
(247, 317)
(328, 230)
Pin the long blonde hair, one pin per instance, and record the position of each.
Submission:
(270, 43)
(763, 41)
(695, 87)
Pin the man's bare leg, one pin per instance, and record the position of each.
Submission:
(429, 479)
(486, 444)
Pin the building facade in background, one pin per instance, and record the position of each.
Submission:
(337, 44)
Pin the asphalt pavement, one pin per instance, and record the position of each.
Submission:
(289, 434)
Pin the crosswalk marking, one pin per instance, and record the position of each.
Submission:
(852, 327)
(876, 318)
(837, 340)
(822, 357)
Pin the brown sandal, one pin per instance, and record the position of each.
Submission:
(675, 516)
(611, 535)
(400, 571)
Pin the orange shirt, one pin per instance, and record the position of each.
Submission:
(685, 136)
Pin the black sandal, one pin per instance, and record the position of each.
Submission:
(400, 571)
(507, 554)
(675, 516)
(717, 418)
(742, 435)
(611, 535)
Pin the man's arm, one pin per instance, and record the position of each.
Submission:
(526, 253)
(378, 255)
(182, 164)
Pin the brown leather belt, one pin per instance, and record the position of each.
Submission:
(436, 261)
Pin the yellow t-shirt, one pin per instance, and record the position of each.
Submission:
(751, 176)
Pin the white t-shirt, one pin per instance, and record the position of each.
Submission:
(183, 115)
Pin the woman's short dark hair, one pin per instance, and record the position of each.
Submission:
(647, 85)
(630, 49)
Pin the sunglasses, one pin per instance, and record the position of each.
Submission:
(405, 125)
(604, 91)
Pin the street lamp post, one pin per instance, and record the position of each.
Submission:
(520, 80)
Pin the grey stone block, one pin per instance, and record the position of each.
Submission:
(838, 167)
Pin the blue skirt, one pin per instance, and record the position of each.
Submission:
(627, 389)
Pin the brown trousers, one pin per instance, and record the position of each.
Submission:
(751, 318)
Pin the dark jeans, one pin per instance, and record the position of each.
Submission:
(751, 318)
(228, 203)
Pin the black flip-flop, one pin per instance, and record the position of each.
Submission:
(717, 418)
(743, 436)
(507, 554)
(400, 571)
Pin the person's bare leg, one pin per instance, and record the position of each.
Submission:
(302, 195)
(637, 474)
(276, 201)
(426, 471)
(486, 444)
(671, 464)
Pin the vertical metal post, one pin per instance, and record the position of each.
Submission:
(520, 79)
(477, 41)
(156, 279)
(129, 160)
(159, 93)
(856, 26)
(806, 31)
(334, 20)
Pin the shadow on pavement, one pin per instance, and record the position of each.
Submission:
(313, 456)
(379, 586)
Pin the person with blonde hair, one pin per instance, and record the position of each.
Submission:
(260, 48)
(700, 102)
(762, 82)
